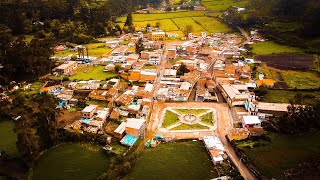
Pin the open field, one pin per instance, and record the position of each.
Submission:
(95, 49)
(190, 127)
(71, 161)
(221, 5)
(291, 78)
(284, 96)
(269, 47)
(181, 160)
(301, 79)
(183, 22)
(158, 16)
(91, 72)
(283, 152)
(8, 138)
(175, 22)
(212, 25)
(287, 61)
(170, 118)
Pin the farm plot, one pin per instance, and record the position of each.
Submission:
(158, 16)
(301, 79)
(183, 22)
(287, 61)
(269, 47)
(212, 24)
(165, 24)
(221, 5)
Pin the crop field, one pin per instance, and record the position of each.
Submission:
(301, 79)
(175, 22)
(165, 24)
(180, 160)
(269, 47)
(212, 24)
(221, 5)
(183, 22)
(283, 152)
(158, 16)
(292, 78)
(287, 61)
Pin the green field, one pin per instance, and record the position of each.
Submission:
(284, 96)
(183, 22)
(170, 118)
(91, 72)
(212, 25)
(301, 79)
(191, 111)
(283, 152)
(207, 118)
(175, 22)
(286, 26)
(269, 47)
(165, 24)
(95, 50)
(71, 161)
(190, 127)
(181, 160)
(221, 5)
(158, 16)
(8, 138)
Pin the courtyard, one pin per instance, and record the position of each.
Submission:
(189, 120)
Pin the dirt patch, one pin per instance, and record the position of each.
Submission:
(287, 61)
(66, 117)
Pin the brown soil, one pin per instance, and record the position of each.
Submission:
(287, 61)
(66, 117)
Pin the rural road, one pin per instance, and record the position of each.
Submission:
(224, 124)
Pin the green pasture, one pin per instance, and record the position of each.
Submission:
(282, 153)
(212, 25)
(91, 72)
(179, 160)
(222, 5)
(269, 47)
(8, 138)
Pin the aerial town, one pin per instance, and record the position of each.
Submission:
(154, 104)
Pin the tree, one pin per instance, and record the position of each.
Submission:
(129, 20)
(117, 68)
(158, 24)
(139, 46)
(182, 70)
(188, 29)
(316, 62)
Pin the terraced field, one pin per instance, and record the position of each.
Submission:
(175, 22)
